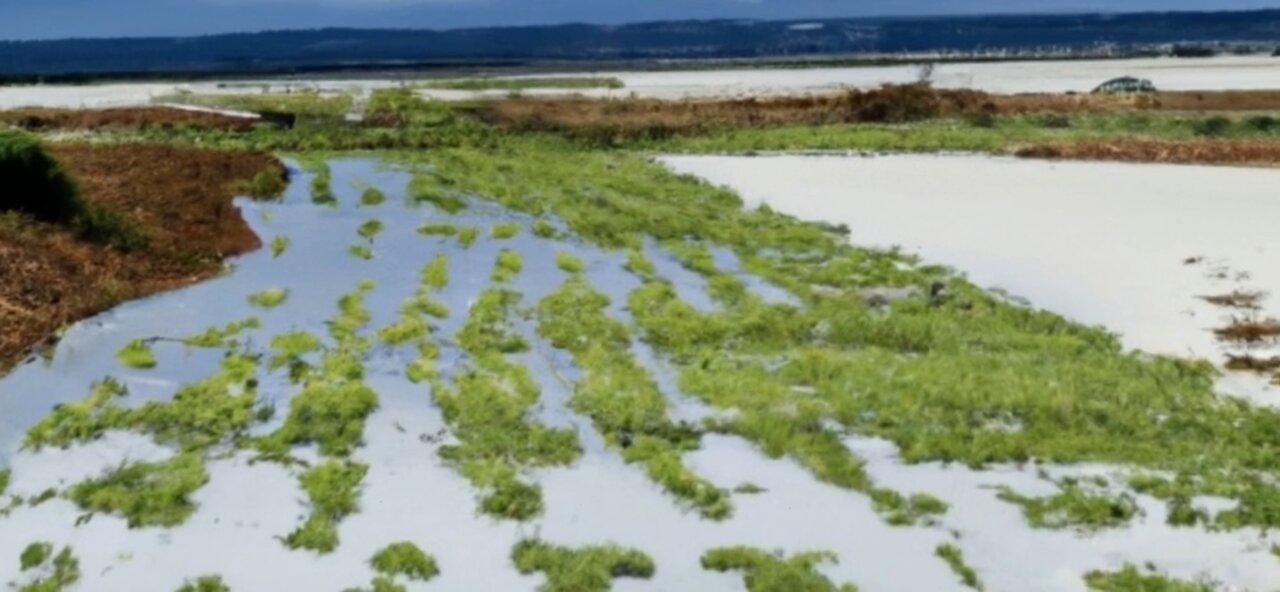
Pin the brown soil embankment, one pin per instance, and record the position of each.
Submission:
(181, 198)
(122, 119)
(1198, 151)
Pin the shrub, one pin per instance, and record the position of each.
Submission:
(1263, 123)
(34, 183)
(1211, 127)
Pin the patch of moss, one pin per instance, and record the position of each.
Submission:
(333, 488)
(955, 559)
(279, 245)
(360, 251)
(467, 236)
(269, 298)
(1131, 579)
(34, 555)
(288, 350)
(209, 583)
(146, 494)
(405, 559)
(487, 329)
(545, 229)
(428, 188)
(772, 572)
(370, 229)
(435, 275)
(5, 475)
(216, 337)
(137, 354)
(588, 569)
(437, 229)
(568, 263)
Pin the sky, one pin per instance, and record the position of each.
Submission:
(46, 19)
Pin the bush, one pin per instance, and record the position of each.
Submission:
(34, 183)
(1263, 123)
(1212, 127)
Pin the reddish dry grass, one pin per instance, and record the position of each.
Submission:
(180, 196)
(129, 118)
(1249, 331)
(1201, 151)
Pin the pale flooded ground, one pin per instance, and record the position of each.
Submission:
(1219, 73)
(411, 495)
(1131, 247)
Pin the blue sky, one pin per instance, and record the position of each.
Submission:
(36, 19)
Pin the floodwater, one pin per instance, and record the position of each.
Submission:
(409, 494)
(1218, 73)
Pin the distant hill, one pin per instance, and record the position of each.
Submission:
(277, 51)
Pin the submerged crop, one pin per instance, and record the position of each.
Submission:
(588, 569)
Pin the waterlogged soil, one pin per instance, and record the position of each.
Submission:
(410, 494)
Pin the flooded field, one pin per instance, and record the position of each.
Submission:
(348, 355)
(1169, 74)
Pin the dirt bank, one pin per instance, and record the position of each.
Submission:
(180, 196)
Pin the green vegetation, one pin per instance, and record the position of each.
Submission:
(309, 105)
(370, 229)
(545, 229)
(435, 190)
(437, 229)
(505, 230)
(569, 263)
(279, 245)
(467, 236)
(35, 555)
(216, 337)
(405, 559)
(620, 397)
(508, 266)
(5, 475)
(146, 494)
(137, 354)
(269, 298)
(519, 84)
(487, 410)
(1074, 507)
(589, 569)
(57, 576)
(1131, 579)
(372, 197)
(333, 488)
(205, 584)
(36, 186)
(360, 251)
(955, 559)
(322, 184)
(266, 184)
(435, 276)
(773, 572)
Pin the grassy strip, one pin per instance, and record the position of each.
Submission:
(519, 84)
(146, 494)
(621, 398)
(769, 572)
(1131, 579)
(588, 569)
(486, 410)
(333, 490)
(955, 559)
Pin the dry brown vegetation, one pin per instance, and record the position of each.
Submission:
(128, 118)
(1236, 299)
(1249, 331)
(180, 197)
(1200, 151)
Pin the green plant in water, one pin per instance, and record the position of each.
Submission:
(361, 251)
(405, 559)
(587, 569)
(333, 488)
(209, 583)
(321, 187)
(429, 188)
(467, 236)
(5, 475)
(279, 245)
(370, 229)
(620, 397)
(505, 230)
(437, 229)
(269, 298)
(137, 354)
(35, 555)
(955, 559)
(545, 229)
(59, 575)
(487, 329)
(773, 572)
(146, 494)
(569, 263)
(372, 197)
(216, 337)
(1074, 507)
(508, 266)
(435, 276)
(1131, 579)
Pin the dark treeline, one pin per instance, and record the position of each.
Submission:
(332, 48)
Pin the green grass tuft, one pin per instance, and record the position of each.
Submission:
(505, 230)
(773, 572)
(372, 197)
(1074, 507)
(146, 494)
(279, 245)
(587, 569)
(569, 263)
(405, 559)
(508, 266)
(1131, 579)
(333, 489)
(955, 559)
(467, 236)
(137, 354)
(370, 229)
(59, 575)
(35, 555)
(205, 584)
(269, 298)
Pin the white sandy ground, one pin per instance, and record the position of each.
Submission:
(1102, 243)
(1220, 73)
(409, 494)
